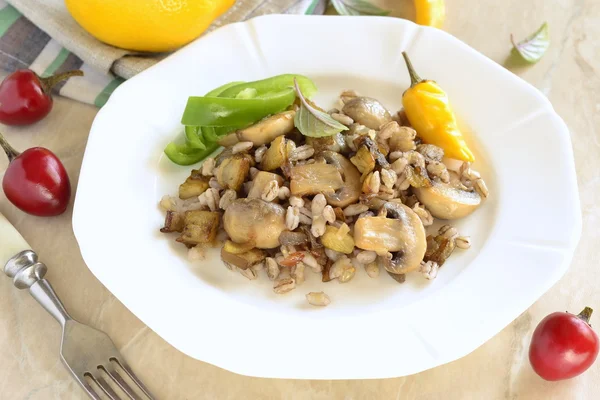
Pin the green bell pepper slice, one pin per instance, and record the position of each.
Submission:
(220, 111)
(184, 155)
(272, 84)
(193, 138)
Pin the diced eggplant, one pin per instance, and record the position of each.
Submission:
(232, 171)
(363, 160)
(332, 239)
(174, 222)
(199, 227)
(260, 181)
(193, 186)
(275, 156)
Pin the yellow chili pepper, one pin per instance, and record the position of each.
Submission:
(430, 12)
(429, 112)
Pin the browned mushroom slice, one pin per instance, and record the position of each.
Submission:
(173, 222)
(402, 138)
(350, 192)
(325, 271)
(439, 248)
(417, 176)
(260, 182)
(194, 185)
(431, 152)
(363, 160)
(373, 148)
(315, 246)
(199, 227)
(232, 171)
(402, 234)
(264, 131)
(293, 238)
(255, 220)
(448, 201)
(275, 156)
(243, 260)
(367, 111)
(315, 178)
(334, 143)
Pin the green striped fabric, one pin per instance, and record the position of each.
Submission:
(24, 45)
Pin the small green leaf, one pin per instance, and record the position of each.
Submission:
(357, 7)
(534, 47)
(313, 122)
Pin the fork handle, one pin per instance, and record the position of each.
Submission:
(28, 273)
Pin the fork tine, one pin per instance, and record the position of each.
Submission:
(88, 389)
(134, 378)
(106, 388)
(112, 372)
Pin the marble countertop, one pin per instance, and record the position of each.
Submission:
(568, 75)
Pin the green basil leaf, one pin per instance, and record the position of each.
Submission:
(313, 122)
(534, 47)
(357, 7)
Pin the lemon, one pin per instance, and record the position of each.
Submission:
(146, 25)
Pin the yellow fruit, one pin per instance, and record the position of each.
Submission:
(146, 25)
(430, 12)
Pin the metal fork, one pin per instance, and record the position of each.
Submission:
(89, 354)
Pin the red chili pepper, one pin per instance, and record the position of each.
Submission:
(26, 98)
(563, 345)
(36, 181)
(292, 259)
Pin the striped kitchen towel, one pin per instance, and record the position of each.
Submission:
(42, 36)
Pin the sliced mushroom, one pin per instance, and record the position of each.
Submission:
(448, 200)
(264, 131)
(367, 111)
(315, 178)
(351, 189)
(400, 278)
(403, 235)
(255, 220)
(237, 248)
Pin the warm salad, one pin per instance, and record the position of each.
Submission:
(299, 189)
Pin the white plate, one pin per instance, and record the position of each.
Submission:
(524, 235)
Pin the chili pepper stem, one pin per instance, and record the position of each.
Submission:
(414, 77)
(585, 315)
(51, 81)
(11, 153)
